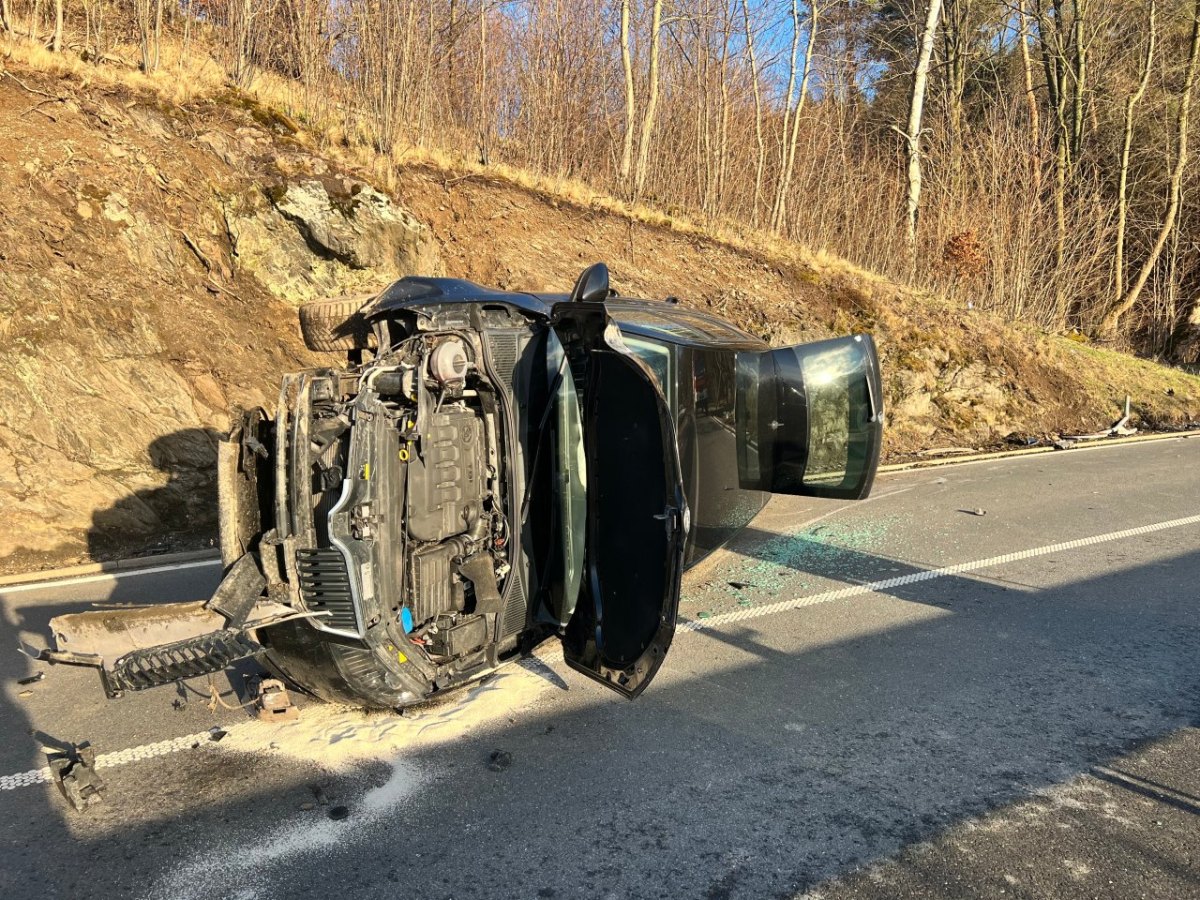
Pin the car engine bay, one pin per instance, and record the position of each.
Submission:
(400, 516)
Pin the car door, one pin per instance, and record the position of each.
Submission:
(810, 418)
(637, 516)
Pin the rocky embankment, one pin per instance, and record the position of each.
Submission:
(152, 257)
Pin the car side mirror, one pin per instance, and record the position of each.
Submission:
(592, 286)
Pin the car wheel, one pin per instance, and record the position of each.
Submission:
(336, 325)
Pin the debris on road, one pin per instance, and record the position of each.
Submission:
(1119, 428)
(75, 774)
(215, 733)
(974, 511)
(337, 813)
(32, 679)
(274, 704)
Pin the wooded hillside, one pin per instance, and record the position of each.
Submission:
(1027, 156)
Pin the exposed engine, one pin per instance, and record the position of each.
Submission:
(408, 496)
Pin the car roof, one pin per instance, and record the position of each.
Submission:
(670, 322)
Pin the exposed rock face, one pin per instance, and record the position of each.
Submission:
(147, 286)
(321, 237)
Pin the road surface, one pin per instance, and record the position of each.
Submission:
(898, 698)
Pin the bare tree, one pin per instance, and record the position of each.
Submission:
(761, 160)
(1131, 103)
(1110, 322)
(56, 40)
(651, 101)
(779, 211)
(630, 98)
(916, 108)
(5, 17)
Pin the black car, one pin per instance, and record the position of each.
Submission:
(489, 470)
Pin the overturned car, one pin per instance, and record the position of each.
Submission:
(489, 470)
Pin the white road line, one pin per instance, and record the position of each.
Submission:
(756, 612)
(107, 760)
(162, 748)
(53, 584)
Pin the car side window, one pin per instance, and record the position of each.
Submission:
(661, 360)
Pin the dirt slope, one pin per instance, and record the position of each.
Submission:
(151, 257)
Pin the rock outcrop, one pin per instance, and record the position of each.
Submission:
(148, 285)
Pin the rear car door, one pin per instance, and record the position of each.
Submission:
(810, 418)
(637, 516)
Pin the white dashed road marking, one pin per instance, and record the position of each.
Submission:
(162, 748)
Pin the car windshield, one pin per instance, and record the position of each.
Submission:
(570, 473)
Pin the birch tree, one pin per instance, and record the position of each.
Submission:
(790, 140)
(916, 109)
(630, 99)
(651, 101)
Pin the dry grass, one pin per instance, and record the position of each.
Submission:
(910, 320)
(181, 78)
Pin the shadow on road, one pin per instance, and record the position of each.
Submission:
(762, 765)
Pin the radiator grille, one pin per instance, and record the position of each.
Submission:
(325, 587)
(502, 347)
(514, 609)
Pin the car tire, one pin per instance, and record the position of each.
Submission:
(336, 325)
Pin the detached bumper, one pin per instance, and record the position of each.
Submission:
(141, 647)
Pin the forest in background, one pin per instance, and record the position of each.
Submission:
(1029, 157)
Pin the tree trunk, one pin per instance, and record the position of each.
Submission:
(1108, 327)
(779, 213)
(56, 42)
(5, 16)
(630, 99)
(761, 161)
(158, 16)
(651, 101)
(916, 110)
(1035, 124)
(1126, 144)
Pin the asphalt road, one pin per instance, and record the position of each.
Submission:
(898, 698)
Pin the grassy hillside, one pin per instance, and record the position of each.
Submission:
(150, 267)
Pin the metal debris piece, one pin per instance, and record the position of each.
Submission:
(1119, 428)
(32, 679)
(74, 773)
(274, 704)
(215, 734)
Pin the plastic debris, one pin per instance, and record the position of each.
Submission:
(32, 679)
(216, 734)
